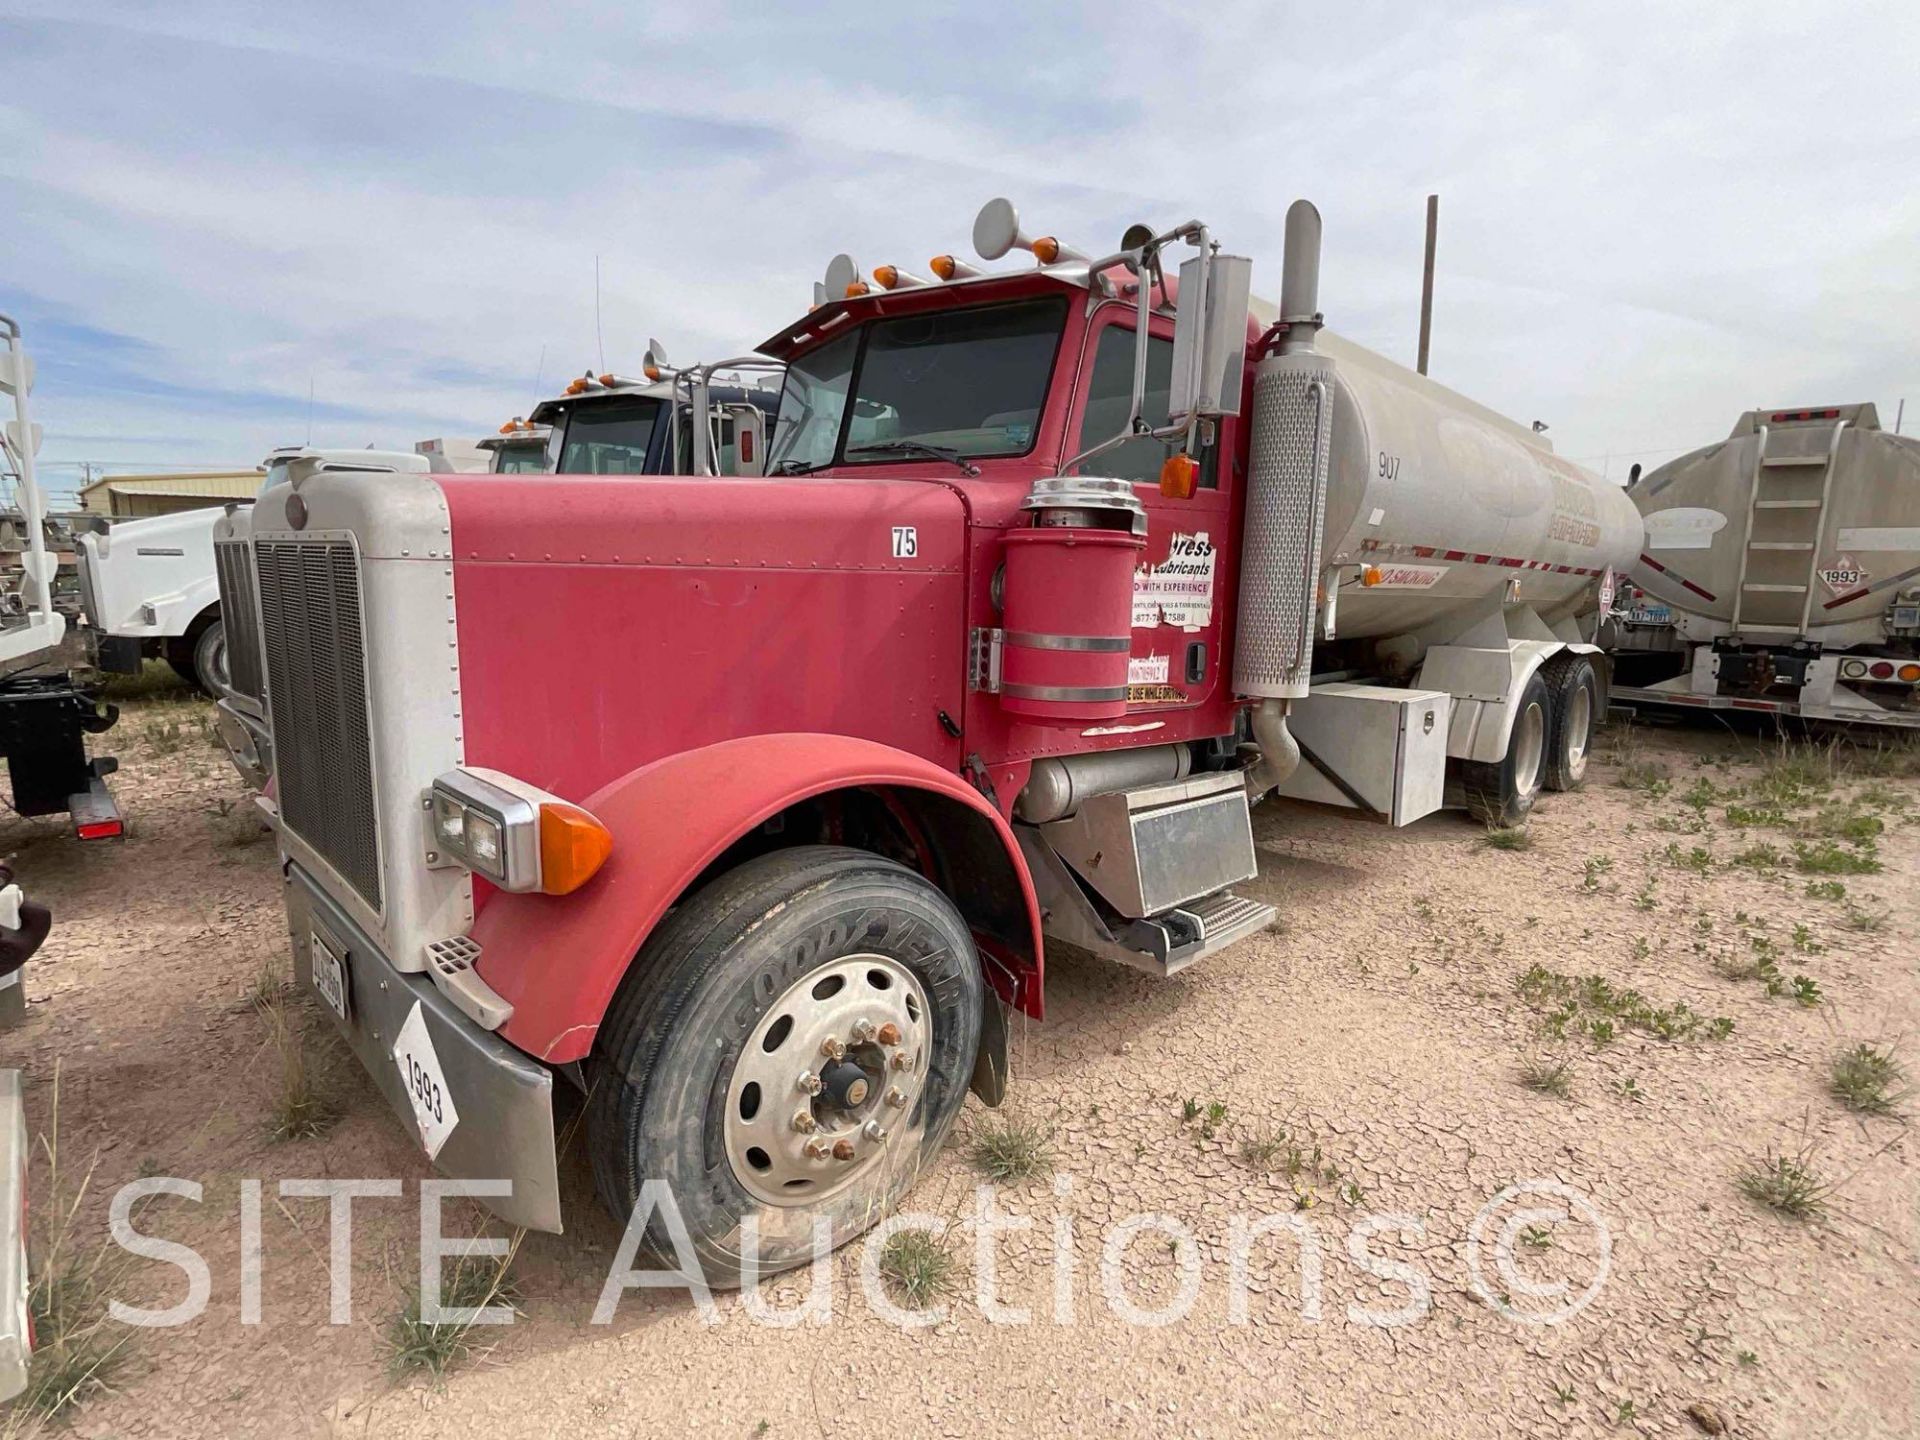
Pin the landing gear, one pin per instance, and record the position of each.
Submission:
(1501, 793)
(794, 1043)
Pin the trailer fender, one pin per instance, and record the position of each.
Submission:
(1485, 684)
(557, 959)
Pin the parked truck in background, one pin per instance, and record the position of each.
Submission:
(750, 805)
(1781, 573)
(49, 679)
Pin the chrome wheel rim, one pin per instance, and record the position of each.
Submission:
(1529, 743)
(829, 1081)
(1579, 731)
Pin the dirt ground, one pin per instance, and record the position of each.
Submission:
(1364, 1058)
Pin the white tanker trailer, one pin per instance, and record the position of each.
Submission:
(1464, 568)
(1781, 572)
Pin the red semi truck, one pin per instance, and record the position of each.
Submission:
(749, 806)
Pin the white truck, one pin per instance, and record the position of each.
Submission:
(151, 582)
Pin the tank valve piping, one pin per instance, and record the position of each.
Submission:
(1279, 751)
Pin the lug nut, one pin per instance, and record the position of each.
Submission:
(818, 1149)
(803, 1122)
(833, 1049)
(809, 1083)
(875, 1130)
(843, 1149)
(899, 1060)
(897, 1098)
(889, 1034)
(862, 1030)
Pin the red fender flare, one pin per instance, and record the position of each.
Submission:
(557, 959)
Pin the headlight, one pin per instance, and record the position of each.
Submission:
(449, 821)
(515, 835)
(483, 842)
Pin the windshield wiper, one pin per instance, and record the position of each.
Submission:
(796, 467)
(917, 447)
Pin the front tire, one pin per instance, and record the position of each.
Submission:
(713, 1072)
(1502, 793)
(200, 658)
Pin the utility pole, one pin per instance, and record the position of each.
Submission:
(1426, 283)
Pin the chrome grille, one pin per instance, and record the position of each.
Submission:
(233, 565)
(316, 675)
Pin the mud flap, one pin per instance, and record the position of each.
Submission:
(990, 1076)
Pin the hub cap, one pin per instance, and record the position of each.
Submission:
(1579, 728)
(1529, 743)
(829, 1081)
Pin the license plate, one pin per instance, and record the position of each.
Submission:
(1650, 615)
(329, 974)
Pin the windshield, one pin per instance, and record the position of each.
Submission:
(520, 459)
(968, 381)
(608, 438)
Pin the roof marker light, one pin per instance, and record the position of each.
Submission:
(892, 277)
(1049, 251)
(947, 267)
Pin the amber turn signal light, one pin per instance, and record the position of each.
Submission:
(573, 847)
(1178, 476)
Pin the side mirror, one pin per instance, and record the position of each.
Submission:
(749, 439)
(1210, 335)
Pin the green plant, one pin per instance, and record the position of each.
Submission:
(1787, 1184)
(1601, 1031)
(1547, 1076)
(1758, 857)
(1748, 1360)
(1644, 900)
(1826, 890)
(302, 1108)
(1869, 1079)
(917, 1266)
(1697, 858)
(1009, 1149)
(1537, 1237)
(1827, 858)
(1806, 990)
(1597, 867)
(417, 1345)
(1804, 942)
(1629, 1089)
(1514, 837)
(1748, 817)
(1652, 780)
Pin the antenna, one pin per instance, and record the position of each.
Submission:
(599, 340)
(309, 407)
(539, 374)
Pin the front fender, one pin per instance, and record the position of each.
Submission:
(557, 959)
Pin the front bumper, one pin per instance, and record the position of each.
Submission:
(249, 743)
(504, 1100)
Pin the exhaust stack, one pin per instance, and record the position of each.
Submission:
(1286, 509)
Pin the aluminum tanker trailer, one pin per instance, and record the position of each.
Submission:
(1461, 558)
(1781, 572)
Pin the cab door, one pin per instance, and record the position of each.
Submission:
(1181, 585)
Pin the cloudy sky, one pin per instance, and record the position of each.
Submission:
(1653, 216)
